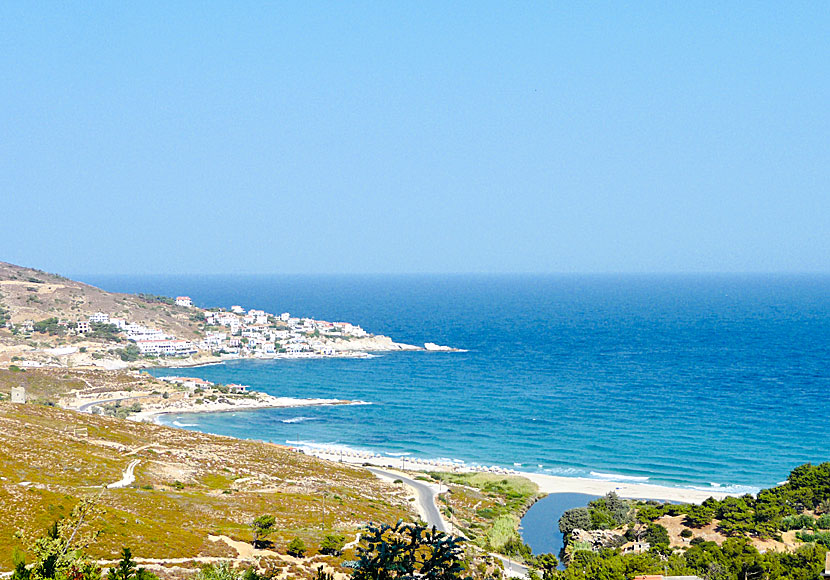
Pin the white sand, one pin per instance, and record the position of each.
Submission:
(547, 483)
(554, 484)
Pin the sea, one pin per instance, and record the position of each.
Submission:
(714, 382)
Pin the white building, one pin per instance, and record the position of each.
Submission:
(184, 301)
(82, 327)
(99, 318)
(285, 317)
(166, 347)
(215, 338)
(236, 309)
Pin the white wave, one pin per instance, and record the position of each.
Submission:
(297, 419)
(178, 424)
(617, 477)
(564, 471)
(397, 453)
(730, 489)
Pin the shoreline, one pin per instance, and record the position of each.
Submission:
(548, 484)
(152, 415)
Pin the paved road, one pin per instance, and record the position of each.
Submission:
(87, 407)
(512, 568)
(426, 497)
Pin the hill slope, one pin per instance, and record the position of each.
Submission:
(188, 485)
(28, 294)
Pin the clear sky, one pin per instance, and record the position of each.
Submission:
(166, 137)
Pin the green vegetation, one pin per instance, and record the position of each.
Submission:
(49, 326)
(487, 508)
(129, 353)
(104, 331)
(156, 299)
(332, 544)
(408, 551)
(59, 553)
(127, 570)
(774, 510)
(296, 548)
(736, 559)
(262, 526)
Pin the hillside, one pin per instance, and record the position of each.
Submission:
(188, 486)
(28, 294)
(49, 320)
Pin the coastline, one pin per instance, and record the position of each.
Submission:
(153, 414)
(548, 484)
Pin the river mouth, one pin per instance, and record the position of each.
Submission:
(540, 525)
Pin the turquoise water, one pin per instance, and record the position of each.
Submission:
(703, 381)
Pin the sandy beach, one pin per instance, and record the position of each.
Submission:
(556, 484)
(547, 483)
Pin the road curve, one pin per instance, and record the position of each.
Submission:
(127, 478)
(87, 407)
(426, 497)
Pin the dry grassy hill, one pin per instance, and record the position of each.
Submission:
(28, 294)
(188, 485)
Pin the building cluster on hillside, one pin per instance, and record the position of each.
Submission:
(258, 333)
(151, 341)
(251, 333)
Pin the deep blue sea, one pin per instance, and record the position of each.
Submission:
(704, 381)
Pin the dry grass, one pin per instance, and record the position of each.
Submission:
(34, 295)
(227, 482)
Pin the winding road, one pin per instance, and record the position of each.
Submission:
(427, 494)
(426, 497)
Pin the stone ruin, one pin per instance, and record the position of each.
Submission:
(18, 394)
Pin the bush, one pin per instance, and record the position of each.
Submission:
(686, 533)
(296, 548)
(657, 535)
(129, 353)
(221, 571)
(575, 519)
(332, 544)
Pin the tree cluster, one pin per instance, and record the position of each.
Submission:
(777, 509)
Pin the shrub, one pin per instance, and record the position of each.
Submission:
(657, 535)
(575, 519)
(332, 544)
(221, 571)
(296, 548)
(686, 533)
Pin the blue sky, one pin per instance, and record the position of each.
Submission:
(415, 137)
